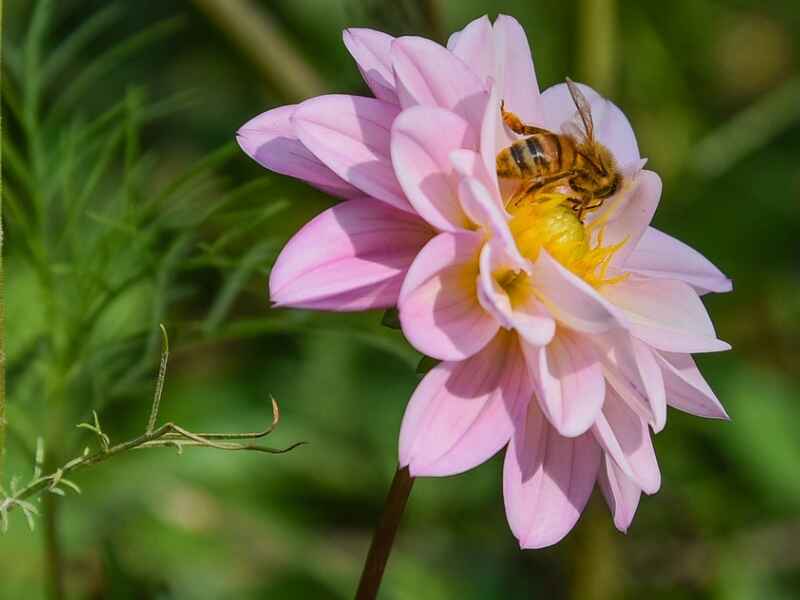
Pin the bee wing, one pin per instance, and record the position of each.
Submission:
(574, 130)
(584, 112)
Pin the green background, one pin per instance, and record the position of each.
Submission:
(713, 91)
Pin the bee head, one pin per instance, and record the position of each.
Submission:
(601, 178)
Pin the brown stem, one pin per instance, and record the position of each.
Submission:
(383, 539)
(53, 553)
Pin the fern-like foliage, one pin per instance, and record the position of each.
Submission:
(104, 245)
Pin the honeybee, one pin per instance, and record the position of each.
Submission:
(571, 161)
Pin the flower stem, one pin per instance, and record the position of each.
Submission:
(383, 539)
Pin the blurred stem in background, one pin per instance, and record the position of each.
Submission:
(595, 575)
(432, 15)
(597, 29)
(746, 132)
(54, 557)
(261, 40)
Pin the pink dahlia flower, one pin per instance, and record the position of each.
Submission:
(563, 339)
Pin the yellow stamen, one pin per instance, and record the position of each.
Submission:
(548, 222)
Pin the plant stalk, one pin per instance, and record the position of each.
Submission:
(383, 539)
(54, 556)
(259, 37)
(598, 49)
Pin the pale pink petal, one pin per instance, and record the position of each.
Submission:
(547, 480)
(632, 219)
(652, 380)
(483, 209)
(453, 40)
(572, 301)
(662, 256)
(666, 314)
(428, 74)
(475, 46)
(462, 413)
(529, 318)
(611, 126)
(686, 388)
(533, 323)
(372, 52)
(631, 368)
(494, 135)
(269, 139)
(569, 383)
(620, 492)
(514, 73)
(422, 140)
(350, 135)
(491, 296)
(353, 256)
(630, 393)
(468, 163)
(626, 438)
(439, 309)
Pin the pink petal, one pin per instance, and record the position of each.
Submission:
(353, 256)
(528, 318)
(621, 493)
(666, 314)
(439, 309)
(514, 73)
(569, 383)
(652, 380)
(468, 163)
(269, 139)
(547, 480)
(422, 140)
(494, 135)
(491, 296)
(428, 74)
(372, 52)
(350, 135)
(632, 370)
(626, 438)
(474, 45)
(484, 210)
(662, 256)
(611, 126)
(632, 220)
(571, 300)
(686, 388)
(463, 412)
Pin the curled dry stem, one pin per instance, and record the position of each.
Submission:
(167, 435)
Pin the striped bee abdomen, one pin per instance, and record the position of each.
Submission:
(535, 156)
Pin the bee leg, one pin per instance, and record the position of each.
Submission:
(589, 206)
(516, 125)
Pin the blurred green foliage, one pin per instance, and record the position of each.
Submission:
(132, 201)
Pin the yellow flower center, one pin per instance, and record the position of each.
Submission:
(547, 222)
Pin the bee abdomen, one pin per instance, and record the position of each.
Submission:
(534, 156)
